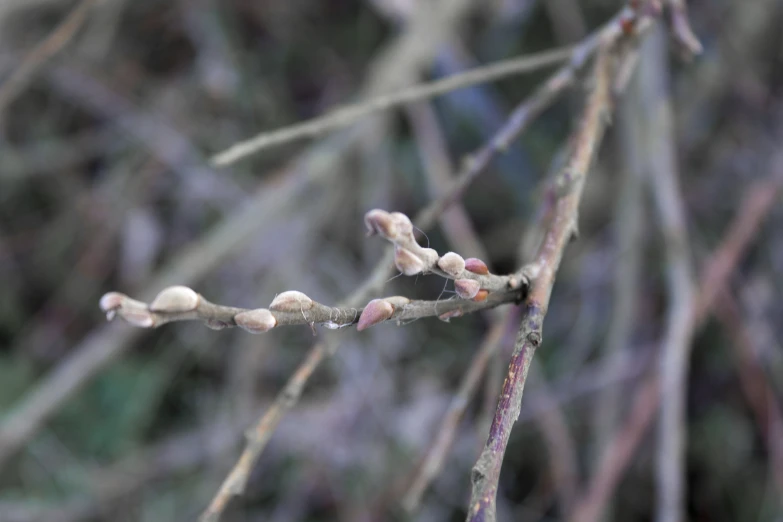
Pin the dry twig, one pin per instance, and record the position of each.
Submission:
(43, 52)
(345, 116)
(661, 170)
(486, 472)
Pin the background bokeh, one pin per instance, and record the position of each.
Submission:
(105, 184)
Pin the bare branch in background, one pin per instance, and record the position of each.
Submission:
(661, 170)
(345, 116)
(757, 204)
(43, 52)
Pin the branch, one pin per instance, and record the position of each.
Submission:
(486, 472)
(519, 120)
(345, 116)
(522, 115)
(681, 28)
(663, 181)
(180, 303)
(41, 53)
(476, 287)
(436, 453)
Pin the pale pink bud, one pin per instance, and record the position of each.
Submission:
(256, 321)
(429, 256)
(477, 266)
(291, 301)
(452, 264)
(376, 311)
(380, 222)
(137, 317)
(397, 300)
(407, 263)
(402, 224)
(467, 288)
(175, 299)
(111, 301)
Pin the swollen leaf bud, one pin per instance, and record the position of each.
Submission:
(256, 321)
(467, 288)
(402, 224)
(137, 317)
(380, 222)
(429, 256)
(112, 301)
(397, 300)
(477, 266)
(376, 311)
(452, 264)
(175, 299)
(407, 263)
(291, 301)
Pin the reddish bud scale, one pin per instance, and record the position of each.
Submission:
(376, 311)
(477, 266)
(481, 296)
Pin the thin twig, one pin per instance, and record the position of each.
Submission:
(520, 119)
(345, 116)
(755, 384)
(681, 28)
(298, 310)
(486, 472)
(436, 454)
(661, 170)
(577, 56)
(43, 52)
(400, 60)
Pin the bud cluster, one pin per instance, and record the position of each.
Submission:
(472, 279)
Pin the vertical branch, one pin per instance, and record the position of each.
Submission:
(662, 175)
(486, 472)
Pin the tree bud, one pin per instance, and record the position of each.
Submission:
(112, 301)
(380, 222)
(481, 296)
(467, 288)
(291, 301)
(175, 299)
(477, 266)
(407, 263)
(137, 317)
(452, 264)
(397, 300)
(376, 311)
(256, 321)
